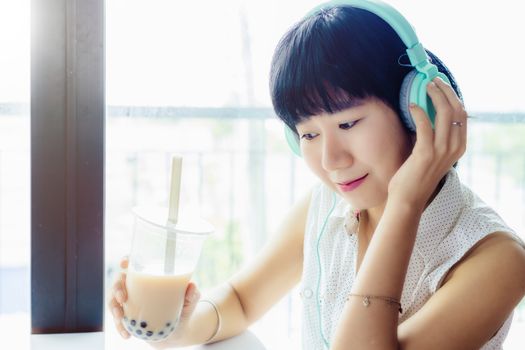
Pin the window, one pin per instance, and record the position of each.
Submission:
(191, 79)
(198, 89)
(14, 164)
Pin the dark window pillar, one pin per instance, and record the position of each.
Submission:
(67, 165)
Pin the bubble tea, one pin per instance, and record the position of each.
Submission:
(161, 263)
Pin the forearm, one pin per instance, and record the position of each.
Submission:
(204, 320)
(382, 273)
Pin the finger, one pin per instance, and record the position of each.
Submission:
(121, 329)
(116, 309)
(443, 118)
(424, 134)
(190, 289)
(459, 113)
(458, 128)
(190, 301)
(119, 291)
(118, 314)
(458, 141)
(124, 262)
(449, 92)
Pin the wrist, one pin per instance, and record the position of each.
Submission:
(405, 210)
(212, 337)
(406, 206)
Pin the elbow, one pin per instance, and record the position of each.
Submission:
(242, 306)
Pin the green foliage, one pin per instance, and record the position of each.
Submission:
(503, 138)
(504, 144)
(220, 258)
(222, 128)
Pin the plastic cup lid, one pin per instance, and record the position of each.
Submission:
(158, 216)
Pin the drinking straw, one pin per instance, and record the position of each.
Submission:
(173, 214)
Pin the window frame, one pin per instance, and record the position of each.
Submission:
(67, 165)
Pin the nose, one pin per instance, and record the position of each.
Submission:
(335, 154)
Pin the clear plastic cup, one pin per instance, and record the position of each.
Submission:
(161, 262)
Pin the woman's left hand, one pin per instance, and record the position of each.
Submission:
(435, 150)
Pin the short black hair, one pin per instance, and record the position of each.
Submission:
(333, 59)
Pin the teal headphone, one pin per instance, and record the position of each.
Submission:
(413, 88)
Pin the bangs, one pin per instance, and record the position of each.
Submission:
(315, 97)
(317, 68)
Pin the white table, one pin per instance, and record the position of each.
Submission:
(99, 340)
(15, 334)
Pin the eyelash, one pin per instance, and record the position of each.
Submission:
(348, 125)
(342, 126)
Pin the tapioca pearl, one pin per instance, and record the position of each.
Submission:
(138, 331)
(130, 329)
(133, 323)
(149, 333)
(143, 324)
(172, 328)
(168, 324)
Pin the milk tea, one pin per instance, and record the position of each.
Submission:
(154, 304)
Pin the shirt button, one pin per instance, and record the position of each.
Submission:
(307, 293)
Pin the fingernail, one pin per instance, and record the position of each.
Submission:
(412, 105)
(116, 312)
(432, 85)
(120, 296)
(124, 334)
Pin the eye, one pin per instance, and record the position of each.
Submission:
(347, 125)
(308, 136)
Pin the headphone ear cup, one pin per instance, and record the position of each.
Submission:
(293, 140)
(414, 89)
(404, 100)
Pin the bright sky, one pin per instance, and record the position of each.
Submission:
(189, 53)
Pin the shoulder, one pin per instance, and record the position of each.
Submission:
(490, 277)
(499, 254)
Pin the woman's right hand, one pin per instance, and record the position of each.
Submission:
(119, 296)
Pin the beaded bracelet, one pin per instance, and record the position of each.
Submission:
(388, 300)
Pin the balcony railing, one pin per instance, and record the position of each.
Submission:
(242, 187)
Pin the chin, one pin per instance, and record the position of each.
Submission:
(363, 201)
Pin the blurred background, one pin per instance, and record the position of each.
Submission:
(191, 78)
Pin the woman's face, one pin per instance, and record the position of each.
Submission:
(365, 142)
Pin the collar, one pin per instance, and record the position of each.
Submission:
(440, 216)
(436, 222)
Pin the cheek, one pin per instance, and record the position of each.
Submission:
(313, 162)
(383, 154)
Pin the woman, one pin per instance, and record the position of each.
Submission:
(391, 250)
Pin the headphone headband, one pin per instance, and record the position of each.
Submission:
(415, 51)
(413, 88)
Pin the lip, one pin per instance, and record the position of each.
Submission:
(352, 185)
